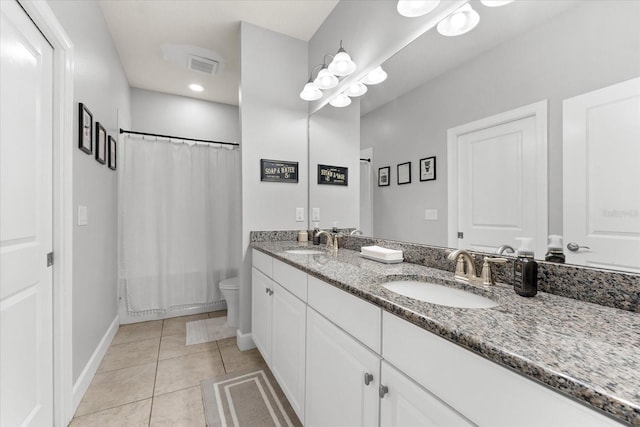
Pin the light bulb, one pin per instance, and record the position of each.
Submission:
(375, 76)
(356, 89)
(463, 20)
(196, 87)
(340, 101)
(325, 79)
(342, 65)
(310, 92)
(495, 3)
(414, 8)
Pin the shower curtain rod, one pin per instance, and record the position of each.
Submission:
(179, 137)
(365, 160)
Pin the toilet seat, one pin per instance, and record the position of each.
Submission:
(230, 284)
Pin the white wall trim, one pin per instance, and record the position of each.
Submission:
(537, 110)
(244, 341)
(63, 65)
(90, 369)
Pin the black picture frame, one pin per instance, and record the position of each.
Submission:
(333, 175)
(404, 173)
(278, 171)
(101, 144)
(384, 176)
(112, 153)
(85, 129)
(428, 169)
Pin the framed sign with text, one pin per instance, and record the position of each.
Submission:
(278, 171)
(333, 175)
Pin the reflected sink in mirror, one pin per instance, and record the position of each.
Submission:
(439, 294)
(305, 252)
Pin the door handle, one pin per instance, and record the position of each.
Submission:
(367, 378)
(574, 247)
(383, 390)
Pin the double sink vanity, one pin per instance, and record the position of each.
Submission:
(357, 342)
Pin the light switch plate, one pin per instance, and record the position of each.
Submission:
(430, 214)
(299, 214)
(83, 215)
(315, 214)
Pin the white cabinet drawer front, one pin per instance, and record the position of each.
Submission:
(406, 404)
(358, 317)
(263, 262)
(292, 279)
(483, 391)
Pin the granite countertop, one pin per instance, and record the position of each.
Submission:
(587, 351)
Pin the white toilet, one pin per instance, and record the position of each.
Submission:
(230, 289)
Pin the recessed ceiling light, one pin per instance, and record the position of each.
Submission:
(196, 87)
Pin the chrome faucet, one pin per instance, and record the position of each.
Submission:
(332, 241)
(465, 265)
(504, 248)
(356, 232)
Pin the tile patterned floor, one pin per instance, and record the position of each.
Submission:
(149, 377)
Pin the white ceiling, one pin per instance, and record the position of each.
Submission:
(140, 27)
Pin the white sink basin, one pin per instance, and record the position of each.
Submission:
(305, 252)
(439, 294)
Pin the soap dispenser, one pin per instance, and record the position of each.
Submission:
(525, 270)
(554, 250)
(316, 237)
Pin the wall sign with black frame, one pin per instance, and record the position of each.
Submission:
(384, 178)
(101, 144)
(278, 171)
(428, 169)
(333, 175)
(112, 150)
(404, 173)
(85, 134)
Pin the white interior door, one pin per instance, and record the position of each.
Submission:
(26, 361)
(601, 158)
(498, 180)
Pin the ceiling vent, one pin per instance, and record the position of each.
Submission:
(192, 58)
(204, 65)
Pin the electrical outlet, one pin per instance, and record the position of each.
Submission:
(299, 214)
(430, 214)
(315, 214)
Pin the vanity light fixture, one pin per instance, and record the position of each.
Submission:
(375, 76)
(463, 20)
(495, 3)
(356, 89)
(340, 101)
(342, 65)
(415, 8)
(196, 87)
(310, 92)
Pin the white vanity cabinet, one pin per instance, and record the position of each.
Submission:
(405, 404)
(342, 377)
(278, 325)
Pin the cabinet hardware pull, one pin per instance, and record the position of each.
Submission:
(383, 390)
(267, 290)
(270, 291)
(367, 378)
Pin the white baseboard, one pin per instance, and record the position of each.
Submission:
(84, 380)
(244, 341)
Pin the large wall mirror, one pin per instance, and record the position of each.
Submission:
(527, 54)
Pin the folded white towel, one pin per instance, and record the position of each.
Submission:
(381, 253)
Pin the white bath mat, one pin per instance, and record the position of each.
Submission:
(208, 330)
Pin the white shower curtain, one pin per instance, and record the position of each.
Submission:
(179, 223)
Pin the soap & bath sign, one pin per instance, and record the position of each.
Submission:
(278, 171)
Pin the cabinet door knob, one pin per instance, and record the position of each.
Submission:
(270, 291)
(383, 390)
(267, 290)
(367, 378)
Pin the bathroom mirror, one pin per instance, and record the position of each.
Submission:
(519, 54)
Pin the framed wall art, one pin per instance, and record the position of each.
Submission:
(333, 175)
(278, 171)
(112, 151)
(85, 137)
(383, 176)
(428, 169)
(404, 173)
(101, 144)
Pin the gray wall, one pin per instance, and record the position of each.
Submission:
(175, 115)
(584, 49)
(273, 122)
(99, 83)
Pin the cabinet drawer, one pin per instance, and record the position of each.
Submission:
(263, 262)
(290, 278)
(483, 391)
(359, 318)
